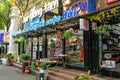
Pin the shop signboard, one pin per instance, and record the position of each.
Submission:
(80, 6)
(37, 23)
(47, 7)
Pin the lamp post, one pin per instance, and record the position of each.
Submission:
(13, 48)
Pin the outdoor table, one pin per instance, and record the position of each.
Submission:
(40, 76)
(63, 59)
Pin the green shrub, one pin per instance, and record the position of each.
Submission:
(44, 65)
(8, 56)
(24, 56)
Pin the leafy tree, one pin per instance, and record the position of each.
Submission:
(5, 9)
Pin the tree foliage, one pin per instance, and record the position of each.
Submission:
(5, 9)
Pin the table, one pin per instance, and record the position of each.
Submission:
(61, 59)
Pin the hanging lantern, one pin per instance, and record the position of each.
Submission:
(52, 42)
(21, 40)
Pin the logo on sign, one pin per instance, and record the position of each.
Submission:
(73, 12)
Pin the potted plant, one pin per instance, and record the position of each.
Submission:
(44, 66)
(16, 41)
(102, 29)
(86, 77)
(9, 58)
(69, 33)
(24, 57)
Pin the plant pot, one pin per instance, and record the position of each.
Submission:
(23, 66)
(27, 69)
(46, 73)
(10, 63)
(36, 63)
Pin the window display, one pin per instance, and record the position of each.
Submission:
(111, 49)
(74, 48)
(54, 44)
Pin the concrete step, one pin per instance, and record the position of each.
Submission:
(61, 75)
(65, 71)
(51, 77)
(17, 65)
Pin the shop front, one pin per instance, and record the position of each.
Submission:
(107, 34)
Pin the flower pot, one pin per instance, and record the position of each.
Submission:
(46, 73)
(10, 63)
(36, 63)
(23, 66)
(27, 69)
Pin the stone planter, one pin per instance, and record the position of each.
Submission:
(45, 74)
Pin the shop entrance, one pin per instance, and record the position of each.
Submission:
(91, 51)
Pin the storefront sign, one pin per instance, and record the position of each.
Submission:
(110, 1)
(37, 23)
(53, 20)
(33, 24)
(47, 7)
(73, 12)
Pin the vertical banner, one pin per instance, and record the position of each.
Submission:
(91, 5)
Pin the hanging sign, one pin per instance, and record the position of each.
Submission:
(110, 1)
(84, 24)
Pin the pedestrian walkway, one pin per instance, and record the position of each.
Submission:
(12, 73)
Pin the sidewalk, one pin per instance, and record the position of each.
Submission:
(12, 73)
(100, 77)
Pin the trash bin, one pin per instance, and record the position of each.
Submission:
(40, 76)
